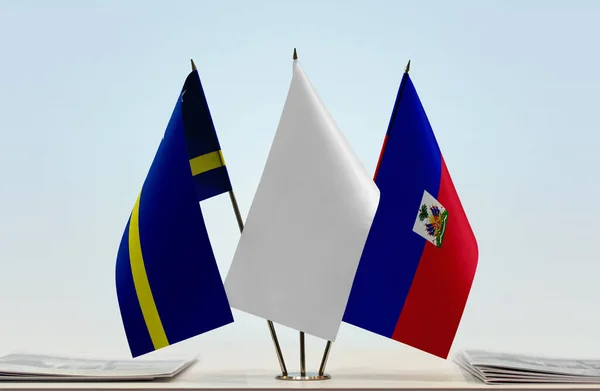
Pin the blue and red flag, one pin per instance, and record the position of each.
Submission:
(420, 258)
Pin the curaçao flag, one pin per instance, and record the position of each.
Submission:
(419, 261)
(168, 285)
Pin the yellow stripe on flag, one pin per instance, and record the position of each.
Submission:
(141, 283)
(208, 161)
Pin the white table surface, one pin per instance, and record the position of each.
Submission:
(390, 369)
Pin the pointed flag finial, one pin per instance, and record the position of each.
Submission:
(407, 67)
(295, 54)
(193, 65)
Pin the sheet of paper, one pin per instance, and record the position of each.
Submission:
(499, 368)
(34, 366)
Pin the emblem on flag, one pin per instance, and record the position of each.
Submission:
(431, 220)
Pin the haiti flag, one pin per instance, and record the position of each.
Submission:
(420, 258)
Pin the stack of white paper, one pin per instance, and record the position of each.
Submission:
(32, 367)
(505, 368)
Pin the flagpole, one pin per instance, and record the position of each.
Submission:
(321, 375)
(394, 111)
(302, 344)
(324, 359)
(302, 356)
(302, 347)
(328, 346)
(303, 375)
(240, 221)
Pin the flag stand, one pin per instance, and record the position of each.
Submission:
(303, 375)
(240, 221)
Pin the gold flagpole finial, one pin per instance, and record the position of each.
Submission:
(407, 67)
(193, 65)
(295, 55)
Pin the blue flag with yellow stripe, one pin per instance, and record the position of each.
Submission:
(168, 284)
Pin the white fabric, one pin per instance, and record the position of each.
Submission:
(308, 223)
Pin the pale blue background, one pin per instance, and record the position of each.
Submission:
(511, 89)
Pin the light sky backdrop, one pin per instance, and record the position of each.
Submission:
(511, 89)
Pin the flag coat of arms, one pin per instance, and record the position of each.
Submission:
(308, 222)
(420, 258)
(168, 285)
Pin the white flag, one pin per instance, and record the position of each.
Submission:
(308, 223)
